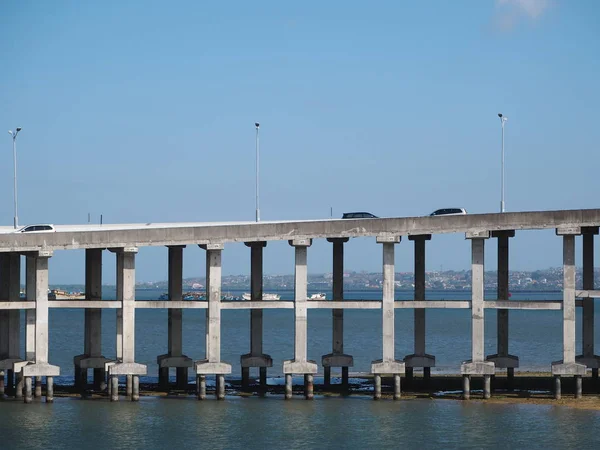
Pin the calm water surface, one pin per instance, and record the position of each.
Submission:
(354, 423)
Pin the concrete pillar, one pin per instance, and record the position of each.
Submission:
(557, 387)
(301, 311)
(309, 383)
(477, 365)
(477, 299)
(38, 387)
(377, 386)
(220, 386)
(129, 386)
(1, 384)
(568, 365)
(92, 347)
(502, 359)
(28, 391)
(337, 357)
(135, 394)
(569, 299)
(300, 364)
(114, 388)
(212, 364)
(30, 290)
(397, 390)
(419, 358)
(256, 357)
(388, 365)
(10, 320)
(578, 386)
(466, 387)
(588, 356)
(487, 386)
(126, 294)
(49, 389)
(174, 356)
(288, 386)
(201, 387)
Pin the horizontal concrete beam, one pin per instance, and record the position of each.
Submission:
(260, 304)
(443, 304)
(168, 304)
(140, 235)
(17, 305)
(523, 304)
(84, 304)
(587, 294)
(362, 304)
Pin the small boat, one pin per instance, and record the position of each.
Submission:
(266, 296)
(318, 296)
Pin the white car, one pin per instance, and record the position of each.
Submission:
(449, 212)
(38, 228)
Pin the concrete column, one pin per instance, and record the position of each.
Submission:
(487, 386)
(309, 383)
(10, 320)
(125, 341)
(212, 364)
(49, 389)
(201, 387)
(288, 386)
(419, 358)
(557, 387)
(588, 357)
(300, 364)
(174, 356)
(502, 359)
(30, 290)
(568, 365)
(135, 395)
(28, 390)
(397, 390)
(377, 386)
(92, 349)
(477, 365)
(220, 386)
(38, 387)
(388, 364)
(114, 388)
(466, 387)
(256, 357)
(337, 357)
(41, 317)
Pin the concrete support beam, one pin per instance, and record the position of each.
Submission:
(126, 364)
(300, 364)
(502, 358)
(588, 356)
(568, 366)
(212, 364)
(477, 365)
(10, 321)
(39, 273)
(337, 358)
(92, 358)
(174, 356)
(256, 357)
(419, 358)
(388, 364)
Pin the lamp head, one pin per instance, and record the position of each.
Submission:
(256, 124)
(10, 132)
(19, 129)
(500, 115)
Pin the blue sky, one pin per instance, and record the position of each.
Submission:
(145, 111)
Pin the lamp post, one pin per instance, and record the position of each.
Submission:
(257, 125)
(503, 119)
(14, 139)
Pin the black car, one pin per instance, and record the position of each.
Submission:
(359, 215)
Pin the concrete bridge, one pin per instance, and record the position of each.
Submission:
(18, 371)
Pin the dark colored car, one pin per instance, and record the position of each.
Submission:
(358, 215)
(449, 212)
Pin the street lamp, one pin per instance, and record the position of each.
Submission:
(14, 139)
(503, 119)
(257, 125)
